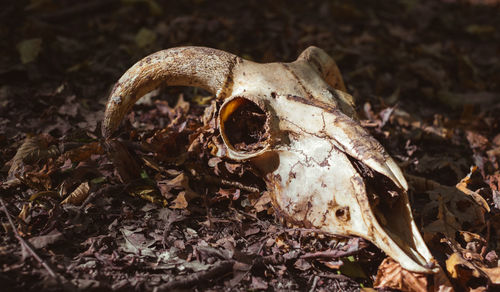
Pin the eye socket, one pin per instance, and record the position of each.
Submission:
(243, 125)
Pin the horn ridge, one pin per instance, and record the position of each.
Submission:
(325, 65)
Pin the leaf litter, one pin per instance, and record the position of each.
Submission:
(163, 212)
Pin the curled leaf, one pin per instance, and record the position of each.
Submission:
(78, 195)
(391, 275)
(83, 152)
(29, 145)
(44, 194)
(180, 202)
(461, 269)
(33, 148)
(462, 186)
(148, 193)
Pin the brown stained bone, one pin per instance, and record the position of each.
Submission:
(295, 124)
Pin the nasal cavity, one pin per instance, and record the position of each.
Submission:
(243, 125)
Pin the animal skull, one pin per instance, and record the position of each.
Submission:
(294, 123)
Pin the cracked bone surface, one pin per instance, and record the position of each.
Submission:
(296, 125)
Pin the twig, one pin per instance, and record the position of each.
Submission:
(219, 269)
(329, 254)
(28, 245)
(353, 246)
(207, 209)
(314, 284)
(338, 277)
(224, 182)
(318, 231)
(270, 260)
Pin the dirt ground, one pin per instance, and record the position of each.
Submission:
(426, 79)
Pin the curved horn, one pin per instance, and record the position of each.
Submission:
(325, 65)
(202, 67)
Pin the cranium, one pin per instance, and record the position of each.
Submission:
(296, 125)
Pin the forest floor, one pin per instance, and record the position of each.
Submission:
(426, 79)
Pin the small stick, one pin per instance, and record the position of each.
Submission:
(224, 182)
(314, 284)
(329, 254)
(219, 269)
(28, 245)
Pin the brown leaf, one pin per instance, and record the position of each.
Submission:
(37, 180)
(460, 269)
(259, 283)
(24, 211)
(180, 202)
(263, 203)
(78, 195)
(180, 182)
(44, 240)
(302, 264)
(493, 274)
(446, 222)
(148, 193)
(477, 141)
(43, 194)
(391, 275)
(83, 152)
(32, 149)
(456, 209)
(125, 164)
(462, 186)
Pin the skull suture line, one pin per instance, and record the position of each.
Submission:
(319, 164)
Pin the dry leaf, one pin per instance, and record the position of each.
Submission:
(128, 169)
(44, 240)
(83, 152)
(493, 274)
(44, 194)
(446, 222)
(148, 193)
(180, 202)
(462, 185)
(29, 145)
(181, 182)
(391, 275)
(461, 269)
(37, 180)
(263, 203)
(456, 208)
(259, 283)
(78, 195)
(24, 211)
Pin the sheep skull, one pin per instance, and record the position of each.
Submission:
(303, 139)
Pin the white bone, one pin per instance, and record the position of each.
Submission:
(313, 148)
